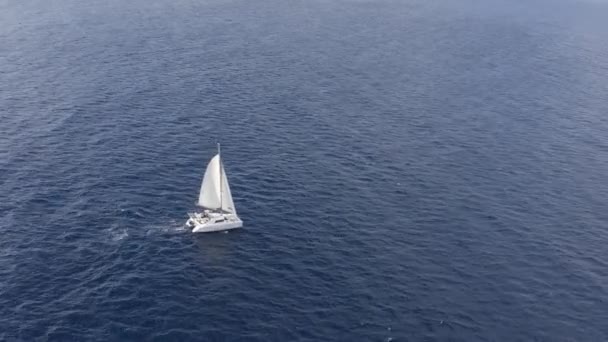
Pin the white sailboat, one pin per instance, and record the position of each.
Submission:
(215, 198)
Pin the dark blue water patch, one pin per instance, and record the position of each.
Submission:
(405, 170)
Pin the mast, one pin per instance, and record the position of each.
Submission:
(220, 166)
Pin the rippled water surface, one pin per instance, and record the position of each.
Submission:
(406, 170)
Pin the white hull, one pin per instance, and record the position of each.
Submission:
(216, 227)
(214, 223)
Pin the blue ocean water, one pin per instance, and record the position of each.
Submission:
(406, 170)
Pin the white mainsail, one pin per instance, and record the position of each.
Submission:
(211, 195)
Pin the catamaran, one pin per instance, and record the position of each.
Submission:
(218, 211)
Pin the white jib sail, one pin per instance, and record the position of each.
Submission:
(227, 203)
